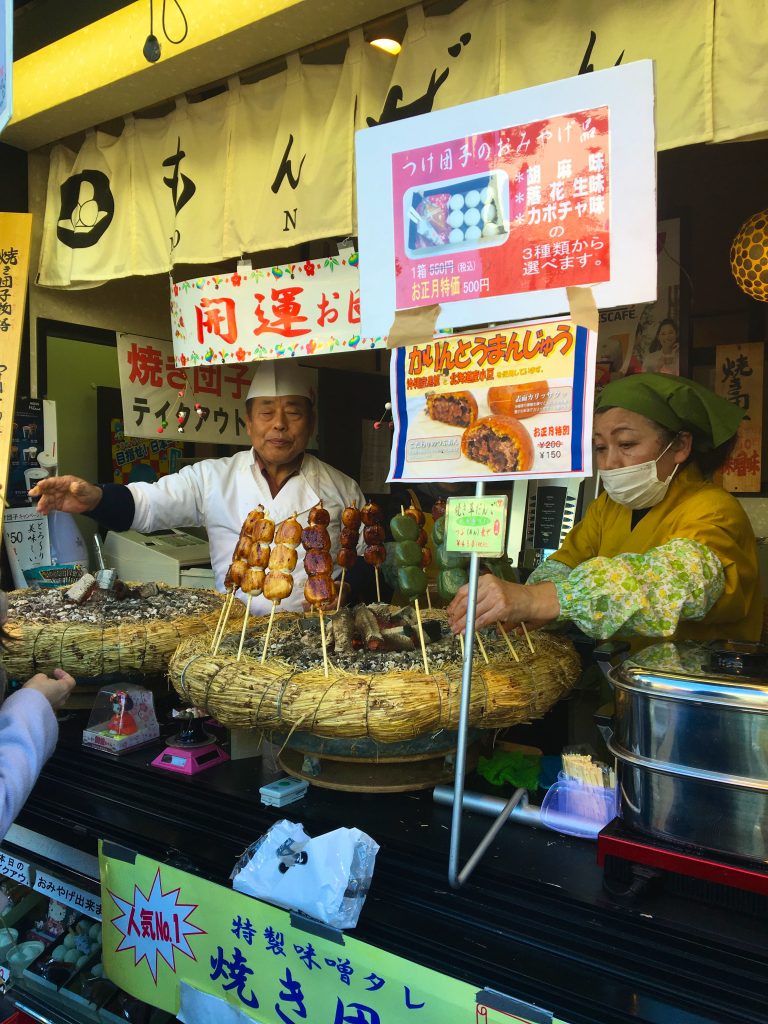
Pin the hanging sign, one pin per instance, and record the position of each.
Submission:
(300, 309)
(493, 208)
(514, 401)
(207, 402)
(739, 378)
(174, 939)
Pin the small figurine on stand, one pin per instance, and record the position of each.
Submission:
(57, 920)
(122, 718)
(122, 722)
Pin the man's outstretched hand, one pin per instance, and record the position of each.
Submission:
(65, 494)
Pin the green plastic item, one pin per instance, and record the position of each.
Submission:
(450, 581)
(510, 766)
(411, 581)
(450, 559)
(404, 528)
(438, 531)
(407, 552)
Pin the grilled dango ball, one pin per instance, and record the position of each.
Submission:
(278, 586)
(438, 509)
(348, 537)
(282, 558)
(375, 555)
(319, 590)
(289, 532)
(416, 513)
(374, 534)
(251, 519)
(318, 563)
(404, 527)
(237, 570)
(316, 537)
(319, 516)
(263, 531)
(253, 581)
(242, 549)
(346, 557)
(259, 556)
(371, 513)
(350, 517)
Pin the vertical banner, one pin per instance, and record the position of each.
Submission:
(15, 234)
(739, 378)
(6, 63)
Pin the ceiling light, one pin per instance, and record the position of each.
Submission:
(387, 45)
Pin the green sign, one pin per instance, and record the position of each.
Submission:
(476, 525)
(183, 943)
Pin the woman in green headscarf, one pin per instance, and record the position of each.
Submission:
(663, 552)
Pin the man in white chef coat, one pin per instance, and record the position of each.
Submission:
(218, 494)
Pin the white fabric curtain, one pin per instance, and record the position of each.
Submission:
(269, 165)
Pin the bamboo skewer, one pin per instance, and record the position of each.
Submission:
(228, 612)
(481, 645)
(269, 631)
(245, 626)
(325, 643)
(378, 592)
(512, 650)
(461, 645)
(222, 614)
(528, 639)
(341, 590)
(421, 636)
(429, 599)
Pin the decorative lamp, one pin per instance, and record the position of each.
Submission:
(749, 256)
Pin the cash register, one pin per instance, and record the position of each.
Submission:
(176, 557)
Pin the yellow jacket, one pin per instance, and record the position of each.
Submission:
(696, 509)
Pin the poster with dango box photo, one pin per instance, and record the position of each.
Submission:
(512, 401)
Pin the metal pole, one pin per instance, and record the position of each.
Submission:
(466, 692)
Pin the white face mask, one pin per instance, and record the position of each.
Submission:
(637, 486)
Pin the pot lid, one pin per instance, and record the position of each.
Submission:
(722, 672)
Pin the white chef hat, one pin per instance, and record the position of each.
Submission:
(275, 378)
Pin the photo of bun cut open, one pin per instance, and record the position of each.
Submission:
(518, 400)
(456, 408)
(499, 442)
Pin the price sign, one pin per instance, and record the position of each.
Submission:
(15, 869)
(27, 536)
(476, 525)
(80, 899)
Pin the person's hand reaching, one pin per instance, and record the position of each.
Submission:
(65, 494)
(55, 688)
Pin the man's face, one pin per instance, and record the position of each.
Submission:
(279, 428)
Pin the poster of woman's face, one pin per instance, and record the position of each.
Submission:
(646, 338)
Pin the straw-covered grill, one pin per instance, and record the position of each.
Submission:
(97, 639)
(390, 705)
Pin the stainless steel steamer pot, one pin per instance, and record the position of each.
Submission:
(692, 749)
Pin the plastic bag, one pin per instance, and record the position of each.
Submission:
(327, 877)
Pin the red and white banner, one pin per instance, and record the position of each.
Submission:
(300, 309)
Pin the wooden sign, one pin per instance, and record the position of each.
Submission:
(15, 234)
(739, 378)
